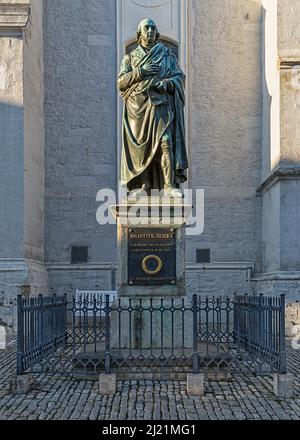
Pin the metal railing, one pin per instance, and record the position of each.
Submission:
(88, 335)
(42, 328)
(259, 328)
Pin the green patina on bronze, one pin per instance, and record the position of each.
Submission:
(152, 86)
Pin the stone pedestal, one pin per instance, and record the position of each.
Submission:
(21, 384)
(150, 324)
(283, 385)
(151, 247)
(107, 384)
(151, 276)
(195, 384)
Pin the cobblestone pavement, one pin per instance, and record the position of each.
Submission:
(60, 398)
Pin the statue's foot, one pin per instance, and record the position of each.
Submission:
(173, 192)
(139, 192)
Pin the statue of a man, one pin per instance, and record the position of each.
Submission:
(152, 86)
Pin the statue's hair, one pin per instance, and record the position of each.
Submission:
(139, 32)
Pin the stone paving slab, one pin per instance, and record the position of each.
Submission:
(62, 398)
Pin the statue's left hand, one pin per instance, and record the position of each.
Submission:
(163, 87)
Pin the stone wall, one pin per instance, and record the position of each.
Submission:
(289, 31)
(12, 274)
(290, 226)
(11, 147)
(271, 230)
(207, 281)
(281, 168)
(21, 148)
(67, 278)
(225, 126)
(34, 135)
(80, 126)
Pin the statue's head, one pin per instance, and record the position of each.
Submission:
(147, 33)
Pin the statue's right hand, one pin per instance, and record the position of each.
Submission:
(149, 69)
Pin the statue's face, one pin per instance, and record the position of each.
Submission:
(148, 32)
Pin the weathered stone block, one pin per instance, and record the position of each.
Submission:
(142, 328)
(195, 384)
(21, 384)
(153, 216)
(283, 385)
(107, 384)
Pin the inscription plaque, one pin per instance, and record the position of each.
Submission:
(151, 256)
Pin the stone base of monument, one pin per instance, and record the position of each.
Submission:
(195, 384)
(283, 385)
(151, 364)
(151, 323)
(107, 384)
(151, 247)
(21, 384)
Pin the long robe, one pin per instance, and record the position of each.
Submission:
(148, 115)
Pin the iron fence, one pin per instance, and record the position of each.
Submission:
(85, 336)
(42, 329)
(259, 328)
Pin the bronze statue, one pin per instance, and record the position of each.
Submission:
(152, 86)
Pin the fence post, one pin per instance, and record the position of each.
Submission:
(234, 317)
(107, 335)
(270, 328)
(20, 341)
(54, 334)
(195, 336)
(247, 328)
(31, 324)
(65, 317)
(40, 322)
(282, 335)
(74, 323)
(42, 325)
(261, 324)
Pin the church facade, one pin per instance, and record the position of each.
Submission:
(60, 141)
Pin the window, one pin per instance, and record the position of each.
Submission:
(79, 254)
(203, 256)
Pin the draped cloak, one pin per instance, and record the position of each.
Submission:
(148, 115)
